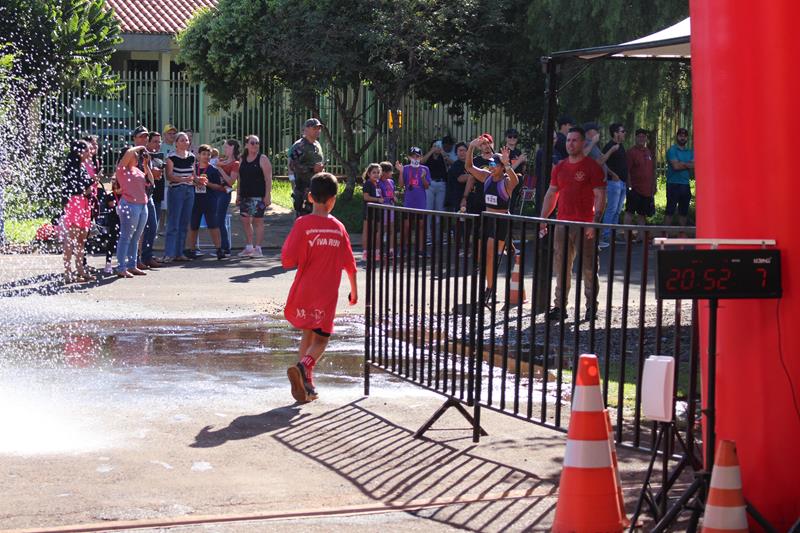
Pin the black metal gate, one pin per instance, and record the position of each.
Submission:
(461, 305)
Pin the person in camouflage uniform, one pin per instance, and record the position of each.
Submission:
(305, 160)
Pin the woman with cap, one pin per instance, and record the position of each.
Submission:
(416, 178)
(498, 181)
(132, 210)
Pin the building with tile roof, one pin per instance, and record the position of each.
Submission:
(149, 28)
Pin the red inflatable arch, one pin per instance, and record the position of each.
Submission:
(746, 103)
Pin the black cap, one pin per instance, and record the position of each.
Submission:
(512, 132)
(415, 150)
(312, 123)
(591, 126)
(642, 130)
(139, 130)
(565, 119)
(682, 130)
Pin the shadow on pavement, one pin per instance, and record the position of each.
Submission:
(48, 285)
(386, 463)
(248, 426)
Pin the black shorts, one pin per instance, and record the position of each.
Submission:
(678, 195)
(321, 333)
(204, 206)
(638, 204)
(496, 228)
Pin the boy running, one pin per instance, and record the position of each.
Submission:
(319, 247)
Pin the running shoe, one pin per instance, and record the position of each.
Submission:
(308, 382)
(257, 252)
(556, 313)
(247, 252)
(302, 391)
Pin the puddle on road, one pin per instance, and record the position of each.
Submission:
(81, 387)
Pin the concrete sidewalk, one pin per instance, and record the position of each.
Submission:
(343, 462)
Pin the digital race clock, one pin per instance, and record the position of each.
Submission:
(706, 274)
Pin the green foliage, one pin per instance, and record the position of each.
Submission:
(637, 93)
(335, 47)
(20, 231)
(349, 211)
(61, 44)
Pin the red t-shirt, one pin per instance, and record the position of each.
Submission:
(641, 170)
(576, 183)
(320, 249)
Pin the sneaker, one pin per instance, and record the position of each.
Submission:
(556, 314)
(257, 252)
(603, 245)
(108, 269)
(220, 254)
(302, 390)
(247, 252)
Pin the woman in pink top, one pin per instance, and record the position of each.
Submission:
(132, 211)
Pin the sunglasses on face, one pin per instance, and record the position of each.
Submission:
(512, 136)
(492, 164)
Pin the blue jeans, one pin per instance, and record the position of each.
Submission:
(434, 200)
(132, 220)
(179, 213)
(223, 201)
(150, 230)
(615, 198)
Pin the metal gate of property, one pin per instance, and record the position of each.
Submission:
(462, 305)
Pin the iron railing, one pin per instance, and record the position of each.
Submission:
(433, 320)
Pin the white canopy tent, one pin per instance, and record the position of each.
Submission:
(670, 43)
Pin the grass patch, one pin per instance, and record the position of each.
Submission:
(23, 231)
(629, 390)
(349, 212)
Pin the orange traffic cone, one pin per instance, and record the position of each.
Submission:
(516, 285)
(725, 509)
(587, 493)
(615, 464)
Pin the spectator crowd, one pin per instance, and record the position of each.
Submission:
(164, 181)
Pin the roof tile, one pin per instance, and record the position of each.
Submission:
(156, 16)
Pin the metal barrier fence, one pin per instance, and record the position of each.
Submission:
(462, 305)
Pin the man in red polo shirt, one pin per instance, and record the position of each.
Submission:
(578, 188)
(642, 181)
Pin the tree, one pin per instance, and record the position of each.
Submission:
(627, 91)
(336, 47)
(61, 44)
(47, 46)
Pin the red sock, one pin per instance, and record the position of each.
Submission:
(308, 362)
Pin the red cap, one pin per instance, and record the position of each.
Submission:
(488, 137)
